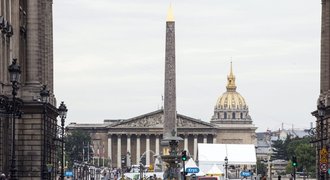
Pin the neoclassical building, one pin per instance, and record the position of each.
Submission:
(141, 136)
(28, 139)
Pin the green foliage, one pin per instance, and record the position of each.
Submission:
(279, 150)
(304, 153)
(306, 157)
(75, 142)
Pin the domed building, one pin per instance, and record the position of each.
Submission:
(231, 116)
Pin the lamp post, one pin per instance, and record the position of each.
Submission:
(14, 71)
(226, 167)
(62, 112)
(44, 94)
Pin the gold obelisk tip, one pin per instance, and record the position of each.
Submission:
(170, 17)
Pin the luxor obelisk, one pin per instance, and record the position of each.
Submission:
(170, 86)
(170, 139)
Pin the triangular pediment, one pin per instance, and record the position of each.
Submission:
(156, 120)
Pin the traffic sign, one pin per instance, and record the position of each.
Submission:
(323, 151)
(246, 173)
(323, 167)
(69, 173)
(323, 160)
(192, 170)
(323, 156)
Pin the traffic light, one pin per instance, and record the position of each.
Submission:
(123, 161)
(184, 155)
(294, 161)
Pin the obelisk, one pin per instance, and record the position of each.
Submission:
(170, 128)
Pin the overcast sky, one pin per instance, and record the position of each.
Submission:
(110, 55)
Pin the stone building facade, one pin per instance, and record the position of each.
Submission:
(26, 34)
(142, 135)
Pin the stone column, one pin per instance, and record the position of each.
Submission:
(129, 143)
(33, 48)
(138, 149)
(49, 70)
(109, 147)
(205, 138)
(325, 47)
(195, 146)
(214, 139)
(128, 153)
(16, 30)
(147, 149)
(157, 145)
(119, 151)
(185, 142)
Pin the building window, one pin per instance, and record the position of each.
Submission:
(234, 115)
(225, 115)
(241, 115)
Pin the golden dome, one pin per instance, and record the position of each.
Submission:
(231, 99)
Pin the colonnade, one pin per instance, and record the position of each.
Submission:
(197, 138)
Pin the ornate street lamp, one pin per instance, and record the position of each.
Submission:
(14, 74)
(44, 94)
(62, 113)
(226, 167)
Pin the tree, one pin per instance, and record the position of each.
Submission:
(279, 150)
(76, 145)
(306, 157)
(305, 154)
